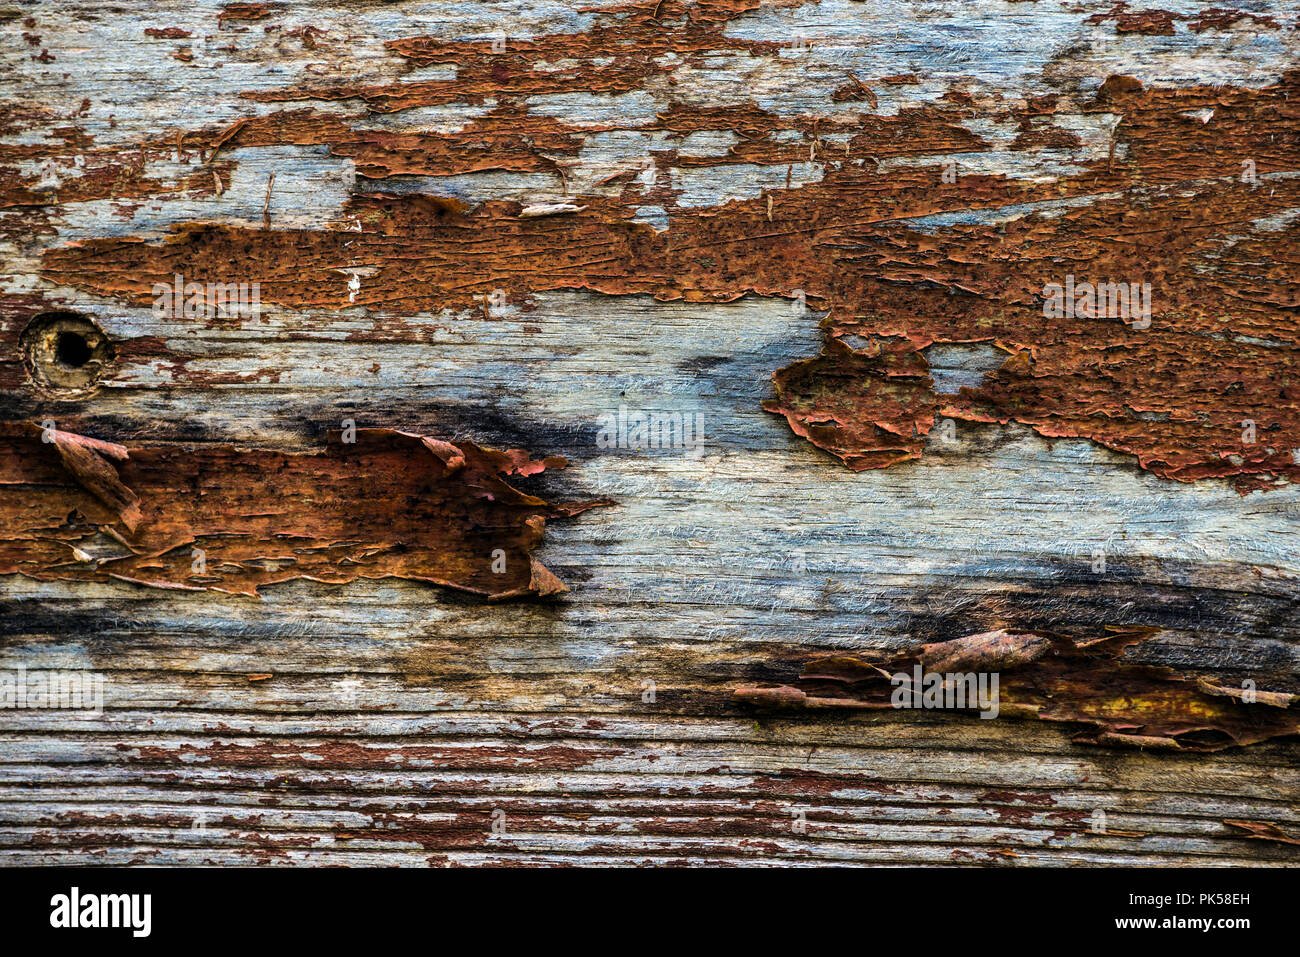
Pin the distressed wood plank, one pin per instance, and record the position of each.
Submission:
(388, 722)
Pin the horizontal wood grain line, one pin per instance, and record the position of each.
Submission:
(791, 784)
(819, 842)
(691, 855)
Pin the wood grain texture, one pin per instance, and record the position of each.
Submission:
(493, 224)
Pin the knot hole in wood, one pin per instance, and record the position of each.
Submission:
(66, 353)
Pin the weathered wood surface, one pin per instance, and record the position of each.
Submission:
(388, 720)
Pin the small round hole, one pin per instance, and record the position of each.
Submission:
(66, 354)
(72, 350)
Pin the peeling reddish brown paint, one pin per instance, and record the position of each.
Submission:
(1221, 344)
(1157, 22)
(1264, 831)
(1219, 18)
(1055, 679)
(390, 504)
(117, 175)
(511, 138)
(356, 756)
(632, 39)
(244, 11)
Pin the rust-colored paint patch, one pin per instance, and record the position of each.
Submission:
(244, 11)
(1154, 22)
(353, 755)
(632, 45)
(1168, 206)
(1157, 22)
(389, 505)
(1053, 679)
(1264, 831)
(1169, 210)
